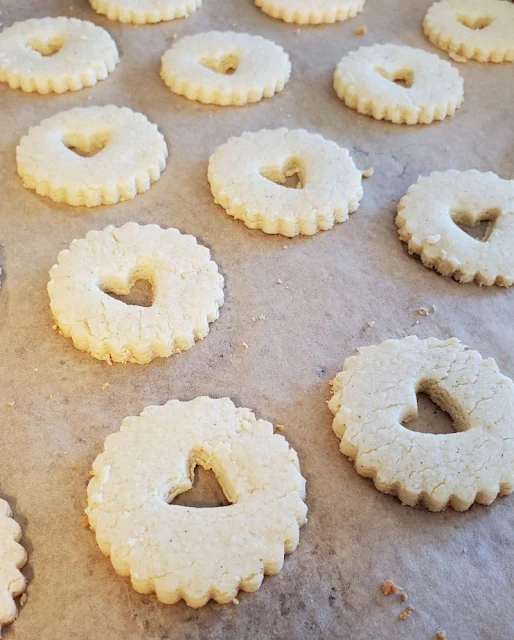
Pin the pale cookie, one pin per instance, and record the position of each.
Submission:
(198, 67)
(55, 55)
(376, 392)
(399, 83)
(311, 11)
(145, 11)
(427, 221)
(187, 292)
(119, 153)
(187, 552)
(481, 30)
(12, 558)
(247, 176)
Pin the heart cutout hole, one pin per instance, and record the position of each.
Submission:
(290, 175)
(402, 77)
(226, 65)
(86, 146)
(45, 47)
(480, 228)
(475, 23)
(140, 294)
(206, 491)
(429, 418)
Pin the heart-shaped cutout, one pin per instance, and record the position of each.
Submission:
(45, 47)
(139, 295)
(86, 145)
(290, 175)
(206, 491)
(224, 65)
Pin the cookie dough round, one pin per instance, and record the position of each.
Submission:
(311, 11)
(145, 11)
(12, 558)
(399, 83)
(247, 175)
(92, 156)
(376, 392)
(198, 67)
(187, 292)
(427, 221)
(186, 552)
(481, 30)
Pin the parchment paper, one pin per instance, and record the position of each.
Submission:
(456, 567)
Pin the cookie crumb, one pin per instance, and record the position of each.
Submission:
(403, 596)
(388, 587)
(279, 281)
(235, 601)
(245, 346)
(54, 327)
(361, 31)
(36, 369)
(262, 317)
(50, 397)
(285, 247)
(85, 522)
(440, 635)
(48, 486)
(425, 311)
(370, 323)
(74, 464)
(280, 427)
(11, 403)
(367, 173)
(105, 386)
(23, 599)
(406, 612)
(298, 31)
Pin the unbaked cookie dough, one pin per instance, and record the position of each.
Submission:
(186, 552)
(481, 30)
(376, 392)
(187, 292)
(399, 83)
(119, 153)
(225, 68)
(12, 558)
(427, 221)
(145, 11)
(311, 11)
(247, 175)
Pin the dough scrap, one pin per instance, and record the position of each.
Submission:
(12, 558)
(481, 30)
(376, 392)
(186, 552)
(311, 11)
(187, 292)
(132, 156)
(427, 217)
(197, 67)
(145, 11)
(246, 174)
(366, 80)
(55, 55)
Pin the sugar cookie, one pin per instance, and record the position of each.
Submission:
(55, 55)
(376, 392)
(479, 29)
(187, 292)
(12, 558)
(198, 67)
(366, 80)
(145, 11)
(311, 11)
(186, 552)
(124, 153)
(247, 175)
(427, 217)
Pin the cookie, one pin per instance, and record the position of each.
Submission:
(12, 558)
(375, 395)
(225, 68)
(55, 55)
(92, 156)
(428, 217)
(187, 292)
(247, 175)
(187, 552)
(481, 30)
(399, 83)
(145, 11)
(311, 11)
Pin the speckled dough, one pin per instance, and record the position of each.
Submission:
(376, 392)
(246, 176)
(145, 11)
(186, 552)
(12, 558)
(365, 81)
(55, 55)
(132, 154)
(196, 67)
(311, 11)
(479, 29)
(427, 217)
(187, 292)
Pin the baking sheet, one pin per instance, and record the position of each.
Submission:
(456, 567)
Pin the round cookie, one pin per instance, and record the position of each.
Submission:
(186, 552)
(55, 55)
(427, 221)
(399, 83)
(12, 558)
(145, 11)
(376, 392)
(311, 11)
(247, 175)
(198, 67)
(481, 30)
(119, 153)
(187, 292)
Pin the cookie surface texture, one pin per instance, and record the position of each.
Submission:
(481, 30)
(186, 552)
(428, 218)
(247, 176)
(225, 68)
(145, 11)
(187, 292)
(92, 156)
(311, 11)
(398, 83)
(375, 395)
(12, 558)
(55, 55)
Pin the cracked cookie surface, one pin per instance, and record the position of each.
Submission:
(12, 558)
(311, 11)
(145, 11)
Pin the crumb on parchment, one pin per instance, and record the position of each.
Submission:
(406, 612)
(244, 345)
(23, 599)
(367, 173)
(361, 31)
(105, 386)
(74, 464)
(403, 596)
(280, 427)
(85, 522)
(11, 403)
(440, 635)
(388, 587)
